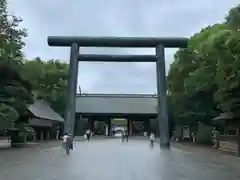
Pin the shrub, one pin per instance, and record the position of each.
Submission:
(204, 135)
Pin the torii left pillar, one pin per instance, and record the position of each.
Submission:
(72, 90)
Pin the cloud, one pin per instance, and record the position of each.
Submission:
(114, 18)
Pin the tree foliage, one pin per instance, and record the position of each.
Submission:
(21, 81)
(204, 78)
(11, 37)
(15, 92)
(49, 81)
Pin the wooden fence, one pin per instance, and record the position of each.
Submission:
(229, 144)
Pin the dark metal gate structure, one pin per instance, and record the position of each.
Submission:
(159, 43)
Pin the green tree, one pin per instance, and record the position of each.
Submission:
(233, 18)
(204, 77)
(7, 115)
(15, 92)
(49, 81)
(191, 78)
(227, 78)
(11, 37)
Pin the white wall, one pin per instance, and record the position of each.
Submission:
(129, 104)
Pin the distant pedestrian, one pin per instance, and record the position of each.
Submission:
(126, 135)
(64, 140)
(88, 134)
(123, 135)
(57, 134)
(193, 137)
(152, 139)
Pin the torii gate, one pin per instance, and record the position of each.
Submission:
(134, 42)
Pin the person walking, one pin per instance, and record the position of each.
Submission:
(88, 134)
(65, 139)
(152, 139)
(126, 135)
(123, 135)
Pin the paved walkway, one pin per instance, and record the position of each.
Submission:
(111, 159)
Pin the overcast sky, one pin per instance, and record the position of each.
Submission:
(161, 18)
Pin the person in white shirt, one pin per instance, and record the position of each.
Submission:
(64, 140)
(152, 139)
(67, 140)
(88, 134)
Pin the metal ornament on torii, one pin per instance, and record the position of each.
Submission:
(159, 43)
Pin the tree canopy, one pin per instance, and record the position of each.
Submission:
(21, 80)
(204, 78)
(49, 81)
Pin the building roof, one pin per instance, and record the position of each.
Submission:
(226, 116)
(40, 109)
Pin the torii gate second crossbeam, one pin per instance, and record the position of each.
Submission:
(159, 43)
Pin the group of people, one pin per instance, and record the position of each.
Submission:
(67, 140)
(151, 137)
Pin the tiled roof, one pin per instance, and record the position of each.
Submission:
(41, 110)
(226, 116)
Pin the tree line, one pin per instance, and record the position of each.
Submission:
(23, 80)
(204, 78)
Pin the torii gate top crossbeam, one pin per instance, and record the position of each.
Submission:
(138, 42)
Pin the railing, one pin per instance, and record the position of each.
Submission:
(229, 143)
(230, 138)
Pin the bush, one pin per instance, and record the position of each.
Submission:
(204, 135)
(80, 126)
(16, 137)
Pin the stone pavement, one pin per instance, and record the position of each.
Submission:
(110, 159)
